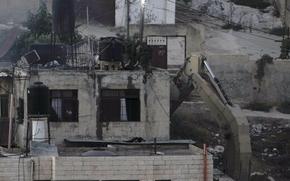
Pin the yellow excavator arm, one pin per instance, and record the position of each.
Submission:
(230, 117)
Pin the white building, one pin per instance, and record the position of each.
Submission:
(156, 12)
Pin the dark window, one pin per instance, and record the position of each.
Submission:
(64, 105)
(3, 107)
(120, 105)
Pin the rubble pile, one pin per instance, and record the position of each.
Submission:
(271, 145)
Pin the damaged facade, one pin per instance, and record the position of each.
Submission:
(103, 121)
(109, 105)
(101, 107)
(5, 97)
(95, 118)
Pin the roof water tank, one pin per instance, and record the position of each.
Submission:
(111, 49)
(38, 99)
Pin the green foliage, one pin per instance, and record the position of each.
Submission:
(23, 43)
(66, 39)
(261, 64)
(40, 23)
(40, 28)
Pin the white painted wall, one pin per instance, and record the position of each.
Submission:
(144, 168)
(284, 6)
(176, 50)
(156, 12)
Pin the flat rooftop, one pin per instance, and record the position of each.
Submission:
(102, 148)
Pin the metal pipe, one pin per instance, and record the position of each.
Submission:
(128, 19)
(209, 69)
(142, 20)
(27, 138)
(88, 22)
(204, 162)
(10, 121)
(155, 146)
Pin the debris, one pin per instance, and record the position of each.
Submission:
(3, 74)
(246, 16)
(136, 140)
(43, 149)
(94, 153)
(219, 149)
(258, 176)
(52, 64)
(256, 129)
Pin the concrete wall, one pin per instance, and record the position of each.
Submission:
(194, 36)
(154, 101)
(86, 126)
(237, 75)
(14, 169)
(176, 50)
(154, 104)
(20, 91)
(284, 8)
(5, 83)
(143, 168)
(61, 80)
(156, 12)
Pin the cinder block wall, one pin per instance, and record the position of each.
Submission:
(143, 168)
(42, 168)
(154, 104)
(15, 169)
(130, 168)
(237, 75)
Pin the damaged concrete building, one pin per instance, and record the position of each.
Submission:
(99, 120)
(109, 105)
(105, 109)
(5, 97)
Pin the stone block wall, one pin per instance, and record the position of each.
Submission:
(154, 104)
(15, 169)
(237, 75)
(143, 168)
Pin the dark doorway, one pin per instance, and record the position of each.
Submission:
(159, 56)
(4, 121)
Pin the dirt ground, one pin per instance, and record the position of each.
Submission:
(270, 143)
